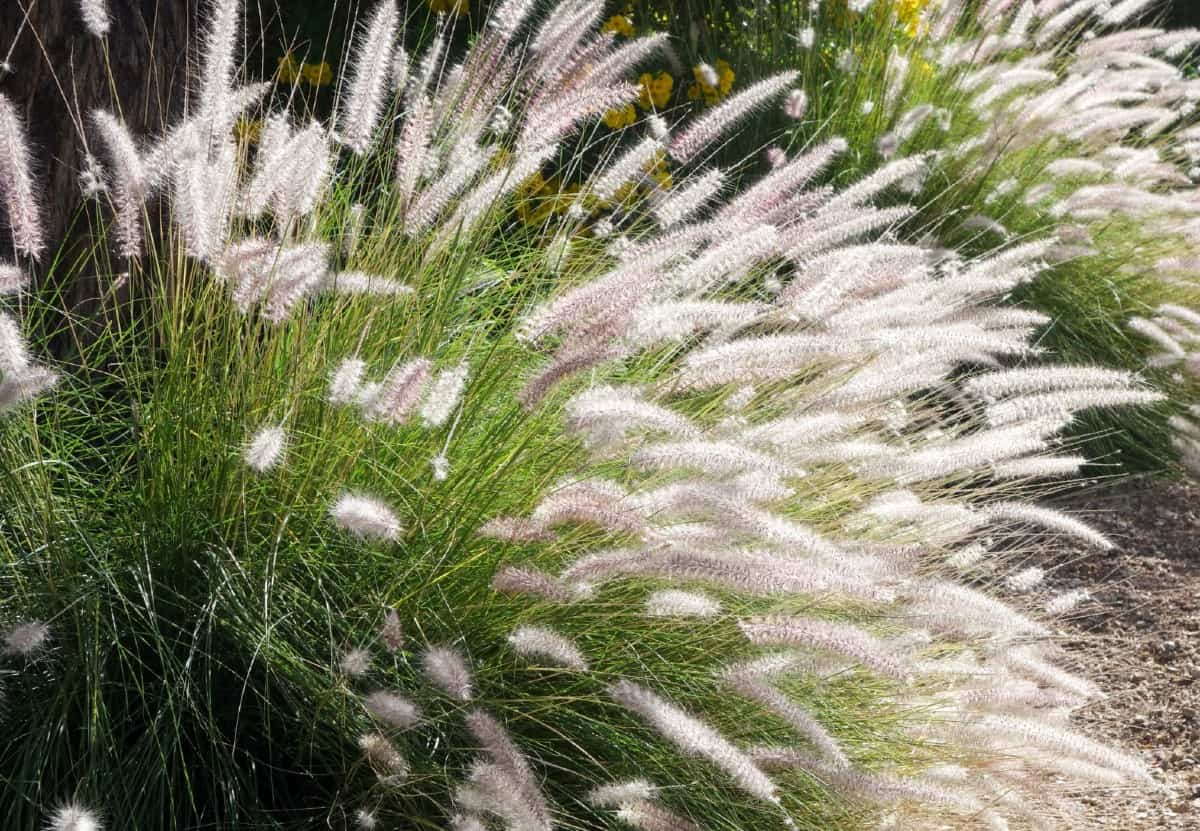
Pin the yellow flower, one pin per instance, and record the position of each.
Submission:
(317, 74)
(726, 73)
(288, 69)
(621, 117)
(657, 170)
(541, 198)
(711, 93)
(458, 7)
(908, 15)
(656, 90)
(619, 24)
(248, 130)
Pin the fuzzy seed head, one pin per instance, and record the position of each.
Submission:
(266, 449)
(383, 756)
(74, 817)
(391, 631)
(393, 709)
(355, 662)
(18, 198)
(795, 105)
(366, 517)
(95, 16)
(447, 669)
(346, 381)
(538, 642)
(26, 639)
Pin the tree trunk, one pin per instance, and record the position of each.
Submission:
(57, 72)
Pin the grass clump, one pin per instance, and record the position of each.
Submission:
(373, 502)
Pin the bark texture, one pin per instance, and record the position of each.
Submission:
(57, 73)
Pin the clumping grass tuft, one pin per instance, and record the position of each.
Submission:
(384, 498)
(1040, 120)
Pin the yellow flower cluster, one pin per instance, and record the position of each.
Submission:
(313, 74)
(655, 94)
(711, 93)
(656, 90)
(541, 198)
(458, 7)
(620, 117)
(657, 170)
(908, 15)
(619, 24)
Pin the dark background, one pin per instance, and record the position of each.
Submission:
(1184, 13)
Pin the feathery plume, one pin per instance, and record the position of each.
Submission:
(219, 55)
(804, 722)
(362, 101)
(20, 387)
(508, 16)
(95, 16)
(684, 202)
(366, 517)
(540, 642)
(516, 529)
(694, 736)
(871, 186)
(1047, 518)
(795, 105)
(709, 127)
(425, 209)
(616, 794)
(346, 381)
(605, 415)
(625, 168)
(393, 709)
(14, 354)
(391, 631)
(1067, 601)
(444, 395)
(840, 638)
(676, 603)
(530, 581)
(517, 773)
(427, 69)
(361, 283)
(447, 670)
(1065, 403)
(399, 393)
(1026, 579)
(266, 449)
(355, 662)
(383, 757)
(650, 816)
(13, 279)
(440, 466)
(74, 817)
(467, 822)
(1061, 741)
(27, 638)
(17, 184)
(1026, 381)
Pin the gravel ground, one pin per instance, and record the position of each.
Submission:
(1140, 640)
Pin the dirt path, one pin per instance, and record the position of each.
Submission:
(1140, 640)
